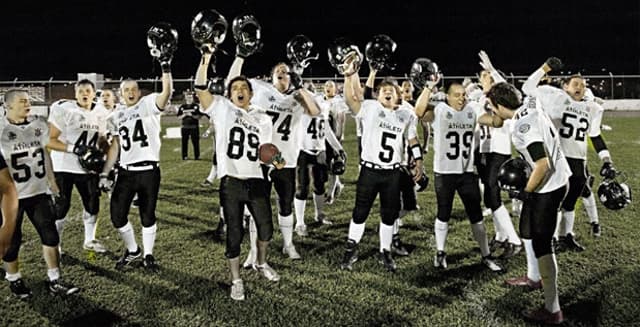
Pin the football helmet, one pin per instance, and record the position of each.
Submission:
(424, 70)
(208, 27)
(379, 51)
(613, 194)
(299, 52)
(247, 34)
(92, 160)
(342, 51)
(162, 40)
(338, 164)
(514, 174)
(422, 183)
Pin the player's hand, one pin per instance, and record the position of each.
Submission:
(608, 171)
(521, 195)
(278, 161)
(417, 171)
(485, 62)
(105, 183)
(165, 63)
(554, 63)
(295, 80)
(342, 155)
(207, 49)
(80, 150)
(434, 81)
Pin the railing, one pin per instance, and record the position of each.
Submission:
(46, 91)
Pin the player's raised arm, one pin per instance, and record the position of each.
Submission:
(424, 74)
(530, 85)
(162, 40)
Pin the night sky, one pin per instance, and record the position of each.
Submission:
(110, 37)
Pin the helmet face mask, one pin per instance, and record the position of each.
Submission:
(614, 195)
(247, 33)
(162, 40)
(342, 53)
(92, 160)
(299, 52)
(208, 27)
(424, 70)
(379, 52)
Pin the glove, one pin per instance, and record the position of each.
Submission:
(376, 65)
(105, 183)
(165, 63)
(295, 80)
(607, 171)
(80, 150)
(245, 50)
(521, 195)
(342, 155)
(554, 63)
(485, 62)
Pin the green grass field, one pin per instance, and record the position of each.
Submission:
(599, 287)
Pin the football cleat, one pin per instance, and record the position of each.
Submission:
(398, 248)
(221, 229)
(59, 287)
(322, 219)
(128, 258)
(350, 255)
(490, 263)
(94, 246)
(524, 281)
(19, 289)
(510, 250)
(301, 230)
(440, 260)
(595, 229)
(386, 259)
(149, 263)
(237, 290)
(545, 317)
(569, 242)
(206, 183)
(267, 272)
(494, 244)
(291, 252)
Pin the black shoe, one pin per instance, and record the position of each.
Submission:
(491, 263)
(149, 263)
(19, 289)
(571, 243)
(59, 287)
(510, 250)
(595, 230)
(440, 260)
(495, 244)
(350, 255)
(220, 230)
(558, 245)
(128, 258)
(398, 248)
(387, 260)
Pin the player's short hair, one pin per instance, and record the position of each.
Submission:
(386, 82)
(235, 79)
(568, 79)
(450, 85)
(10, 95)
(506, 95)
(127, 81)
(273, 69)
(85, 81)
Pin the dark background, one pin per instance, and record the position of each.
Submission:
(109, 37)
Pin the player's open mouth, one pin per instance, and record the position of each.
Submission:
(131, 98)
(388, 98)
(240, 97)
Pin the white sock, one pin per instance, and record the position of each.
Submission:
(533, 272)
(356, 231)
(221, 213)
(332, 184)
(590, 206)
(60, 227)
(386, 236)
(149, 238)
(89, 221)
(516, 206)
(246, 211)
(126, 232)
(500, 235)
(506, 225)
(441, 228)
(396, 226)
(568, 219)
(53, 273)
(212, 173)
(12, 277)
(253, 239)
(480, 235)
(549, 273)
(559, 226)
(299, 206)
(318, 200)
(286, 228)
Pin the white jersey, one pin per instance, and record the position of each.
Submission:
(532, 125)
(138, 129)
(453, 137)
(238, 135)
(573, 119)
(77, 126)
(385, 133)
(23, 147)
(314, 129)
(336, 105)
(491, 139)
(286, 113)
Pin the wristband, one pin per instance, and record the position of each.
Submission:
(70, 148)
(604, 154)
(201, 87)
(416, 151)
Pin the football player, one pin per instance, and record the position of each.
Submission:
(136, 141)
(23, 138)
(386, 130)
(109, 100)
(75, 128)
(575, 120)
(337, 117)
(285, 101)
(453, 123)
(9, 206)
(536, 139)
(241, 127)
(494, 150)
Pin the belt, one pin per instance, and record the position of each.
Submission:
(372, 165)
(141, 166)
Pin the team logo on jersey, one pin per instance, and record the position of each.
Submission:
(238, 113)
(401, 120)
(524, 128)
(449, 115)
(381, 114)
(12, 136)
(272, 98)
(469, 115)
(567, 102)
(120, 115)
(38, 132)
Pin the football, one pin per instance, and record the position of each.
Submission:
(267, 152)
